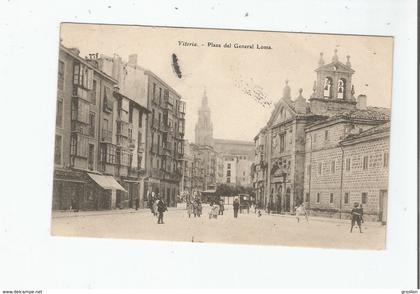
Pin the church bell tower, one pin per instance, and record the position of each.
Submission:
(204, 126)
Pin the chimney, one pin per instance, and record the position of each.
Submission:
(361, 102)
(132, 60)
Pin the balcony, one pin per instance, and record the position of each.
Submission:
(80, 128)
(106, 136)
(164, 127)
(140, 148)
(81, 93)
(131, 143)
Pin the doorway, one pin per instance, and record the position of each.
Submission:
(383, 206)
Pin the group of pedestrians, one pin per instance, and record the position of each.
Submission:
(194, 208)
(157, 207)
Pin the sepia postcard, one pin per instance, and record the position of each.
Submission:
(227, 136)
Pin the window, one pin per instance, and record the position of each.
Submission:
(341, 89)
(92, 124)
(139, 140)
(282, 142)
(348, 162)
(61, 68)
(228, 165)
(139, 159)
(308, 169)
(320, 168)
(327, 87)
(91, 156)
(333, 166)
(57, 153)
(59, 114)
(228, 180)
(318, 197)
(93, 93)
(365, 162)
(78, 145)
(326, 134)
(154, 92)
(364, 198)
(307, 197)
(346, 198)
(140, 119)
(331, 198)
(108, 106)
(130, 114)
(228, 173)
(386, 159)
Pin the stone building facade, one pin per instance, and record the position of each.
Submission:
(300, 153)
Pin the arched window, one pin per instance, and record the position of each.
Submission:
(341, 88)
(327, 87)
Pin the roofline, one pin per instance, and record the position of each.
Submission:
(150, 73)
(131, 100)
(370, 137)
(334, 62)
(336, 120)
(80, 59)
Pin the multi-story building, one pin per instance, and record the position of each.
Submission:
(259, 168)
(130, 114)
(187, 174)
(305, 144)
(205, 159)
(347, 162)
(85, 145)
(165, 139)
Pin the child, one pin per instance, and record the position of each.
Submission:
(300, 210)
(356, 215)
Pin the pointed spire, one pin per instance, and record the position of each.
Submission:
(204, 101)
(348, 61)
(321, 61)
(300, 103)
(335, 57)
(286, 90)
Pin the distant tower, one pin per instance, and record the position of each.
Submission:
(204, 126)
(334, 79)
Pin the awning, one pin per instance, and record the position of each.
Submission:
(106, 182)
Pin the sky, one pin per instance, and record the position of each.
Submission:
(227, 74)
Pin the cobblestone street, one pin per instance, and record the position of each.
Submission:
(246, 229)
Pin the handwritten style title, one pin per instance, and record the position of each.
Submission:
(225, 45)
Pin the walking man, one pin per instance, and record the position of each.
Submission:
(356, 217)
(235, 207)
(161, 208)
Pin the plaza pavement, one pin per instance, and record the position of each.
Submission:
(246, 229)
